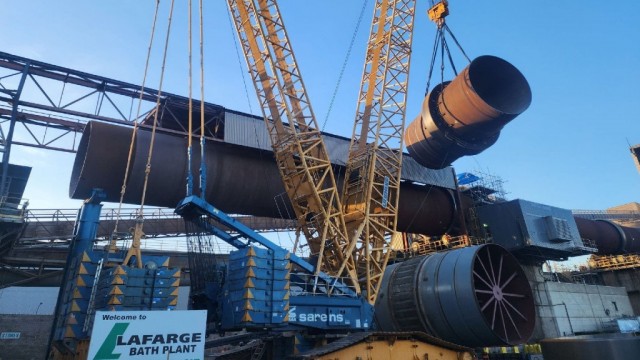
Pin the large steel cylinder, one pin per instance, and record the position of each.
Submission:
(465, 116)
(240, 180)
(475, 296)
(609, 237)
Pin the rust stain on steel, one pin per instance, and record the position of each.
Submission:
(465, 116)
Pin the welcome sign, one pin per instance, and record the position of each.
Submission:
(146, 335)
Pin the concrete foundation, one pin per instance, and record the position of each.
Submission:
(565, 309)
(627, 278)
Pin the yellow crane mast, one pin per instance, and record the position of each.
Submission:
(372, 180)
(298, 147)
(350, 235)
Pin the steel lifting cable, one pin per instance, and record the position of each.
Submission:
(433, 61)
(134, 249)
(190, 146)
(135, 121)
(346, 60)
(440, 44)
(147, 169)
(446, 27)
(244, 80)
(203, 167)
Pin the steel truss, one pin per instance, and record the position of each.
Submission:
(300, 153)
(371, 190)
(54, 103)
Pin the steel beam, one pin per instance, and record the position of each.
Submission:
(49, 104)
(6, 151)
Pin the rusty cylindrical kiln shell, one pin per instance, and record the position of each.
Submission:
(240, 180)
(465, 116)
(609, 237)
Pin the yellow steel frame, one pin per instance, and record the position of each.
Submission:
(298, 147)
(398, 346)
(438, 12)
(614, 262)
(372, 180)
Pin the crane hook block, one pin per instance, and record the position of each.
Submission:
(438, 12)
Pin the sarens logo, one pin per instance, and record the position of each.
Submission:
(313, 317)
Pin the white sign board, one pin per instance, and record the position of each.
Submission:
(147, 335)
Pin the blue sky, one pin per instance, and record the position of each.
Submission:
(569, 149)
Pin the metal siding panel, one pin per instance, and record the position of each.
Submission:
(246, 131)
(250, 131)
(521, 225)
(338, 149)
(415, 172)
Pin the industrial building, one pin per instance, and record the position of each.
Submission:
(390, 248)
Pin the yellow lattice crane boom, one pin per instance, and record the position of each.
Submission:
(372, 180)
(300, 153)
(349, 234)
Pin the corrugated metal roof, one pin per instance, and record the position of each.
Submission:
(246, 130)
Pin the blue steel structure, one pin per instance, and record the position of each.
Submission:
(97, 280)
(266, 286)
(75, 292)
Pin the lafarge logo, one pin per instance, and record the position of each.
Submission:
(109, 345)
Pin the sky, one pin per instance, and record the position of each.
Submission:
(570, 149)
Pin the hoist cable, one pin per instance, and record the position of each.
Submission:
(346, 60)
(147, 169)
(442, 48)
(238, 56)
(434, 53)
(135, 122)
(453, 66)
(441, 44)
(203, 167)
(446, 27)
(190, 135)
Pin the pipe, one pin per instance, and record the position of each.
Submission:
(241, 180)
(465, 116)
(609, 237)
(475, 296)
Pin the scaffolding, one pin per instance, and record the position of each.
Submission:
(423, 245)
(614, 262)
(485, 188)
